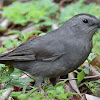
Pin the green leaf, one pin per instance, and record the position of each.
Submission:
(86, 71)
(98, 81)
(22, 97)
(24, 89)
(15, 32)
(6, 78)
(62, 97)
(60, 89)
(2, 91)
(10, 70)
(2, 49)
(98, 69)
(42, 34)
(50, 88)
(34, 12)
(15, 94)
(48, 98)
(3, 28)
(31, 91)
(2, 65)
(80, 76)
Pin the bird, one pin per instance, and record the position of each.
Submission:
(58, 52)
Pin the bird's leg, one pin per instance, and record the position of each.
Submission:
(53, 81)
(39, 82)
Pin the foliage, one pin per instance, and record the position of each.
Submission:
(56, 91)
(12, 43)
(81, 74)
(94, 86)
(33, 11)
(10, 77)
(9, 44)
(24, 37)
(2, 28)
(77, 8)
(52, 92)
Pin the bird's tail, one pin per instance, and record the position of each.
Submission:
(3, 60)
(7, 62)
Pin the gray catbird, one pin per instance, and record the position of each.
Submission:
(56, 53)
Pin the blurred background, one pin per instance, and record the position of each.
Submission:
(21, 20)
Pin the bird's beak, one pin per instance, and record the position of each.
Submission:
(98, 25)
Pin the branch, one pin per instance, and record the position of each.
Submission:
(62, 2)
(6, 94)
(88, 77)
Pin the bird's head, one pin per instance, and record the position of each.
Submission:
(84, 25)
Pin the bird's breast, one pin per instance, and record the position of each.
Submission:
(76, 55)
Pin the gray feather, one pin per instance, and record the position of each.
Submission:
(58, 52)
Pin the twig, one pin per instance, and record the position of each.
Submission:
(92, 71)
(10, 98)
(9, 37)
(28, 29)
(84, 77)
(6, 94)
(61, 2)
(73, 82)
(5, 23)
(28, 75)
(14, 36)
(80, 85)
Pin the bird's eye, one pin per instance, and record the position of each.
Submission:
(85, 20)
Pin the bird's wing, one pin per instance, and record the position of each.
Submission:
(21, 53)
(30, 50)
